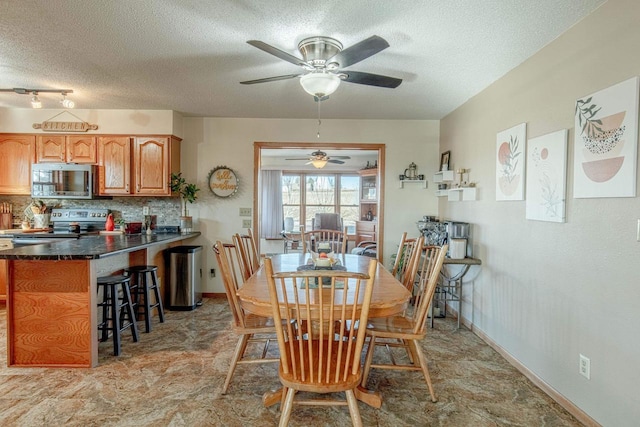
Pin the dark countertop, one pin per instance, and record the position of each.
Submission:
(93, 247)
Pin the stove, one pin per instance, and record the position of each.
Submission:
(89, 220)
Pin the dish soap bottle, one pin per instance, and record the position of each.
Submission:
(109, 225)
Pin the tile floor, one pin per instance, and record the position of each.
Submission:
(173, 377)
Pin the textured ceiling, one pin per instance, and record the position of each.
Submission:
(189, 55)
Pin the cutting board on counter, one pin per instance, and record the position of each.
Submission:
(20, 230)
(111, 232)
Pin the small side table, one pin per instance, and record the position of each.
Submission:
(450, 287)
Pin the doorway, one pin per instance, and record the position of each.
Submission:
(265, 151)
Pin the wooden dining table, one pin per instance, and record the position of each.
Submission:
(389, 298)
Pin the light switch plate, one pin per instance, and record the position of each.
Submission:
(245, 211)
(246, 223)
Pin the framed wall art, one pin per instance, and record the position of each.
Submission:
(547, 177)
(606, 142)
(510, 149)
(445, 159)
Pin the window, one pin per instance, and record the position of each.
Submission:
(320, 193)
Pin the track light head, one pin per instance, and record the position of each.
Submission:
(67, 103)
(35, 101)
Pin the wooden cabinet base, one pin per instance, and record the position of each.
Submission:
(50, 314)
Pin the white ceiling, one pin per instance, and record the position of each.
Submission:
(189, 55)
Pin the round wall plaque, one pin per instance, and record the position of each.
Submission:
(223, 181)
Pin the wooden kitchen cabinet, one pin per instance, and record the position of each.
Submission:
(151, 163)
(17, 153)
(114, 165)
(66, 149)
(3, 279)
(138, 166)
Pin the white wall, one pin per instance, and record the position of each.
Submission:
(547, 292)
(211, 142)
(156, 122)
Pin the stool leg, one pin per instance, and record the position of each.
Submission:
(147, 302)
(128, 310)
(104, 325)
(156, 291)
(115, 320)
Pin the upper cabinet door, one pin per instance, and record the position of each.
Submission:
(81, 149)
(17, 153)
(151, 161)
(50, 149)
(114, 165)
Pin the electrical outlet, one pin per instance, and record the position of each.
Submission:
(245, 211)
(246, 223)
(585, 367)
(145, 210)
(212, 272)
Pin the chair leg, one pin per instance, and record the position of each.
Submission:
(128, 312)
(115, 318)
(352, 402)
(237, 355)
(286, 410)
(425, 369)
(367, 361)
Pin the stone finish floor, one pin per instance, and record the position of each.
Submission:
(174, 375)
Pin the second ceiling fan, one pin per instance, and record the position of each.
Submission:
(319, 159)
(325, 61)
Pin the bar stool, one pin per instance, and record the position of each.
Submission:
(117, 312)
(142, 289)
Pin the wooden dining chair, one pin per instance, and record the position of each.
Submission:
(408, 330)
(337, 240)
(405, 266)
(246, 325)
(319, 353)
(249, 259)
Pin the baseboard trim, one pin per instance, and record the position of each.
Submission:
(539, 382)
(213, 295)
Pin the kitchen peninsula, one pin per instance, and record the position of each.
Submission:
(52, 294)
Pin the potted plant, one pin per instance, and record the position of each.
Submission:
(188, 193)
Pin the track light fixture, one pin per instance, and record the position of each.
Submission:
(67, 103)
(35, 101)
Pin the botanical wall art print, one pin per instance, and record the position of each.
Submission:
(510, 149)
(547, 177)
(606, 142)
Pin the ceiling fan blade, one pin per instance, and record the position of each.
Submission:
(270, 79)
(370, 79)
(338, 162)
(340, 157)
(279, 53)
(359, 51)
(299, 158)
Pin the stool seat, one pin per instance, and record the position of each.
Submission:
(117, 311)
(142, 290)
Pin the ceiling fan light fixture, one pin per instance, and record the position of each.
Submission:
(320, 84)
(319, 163)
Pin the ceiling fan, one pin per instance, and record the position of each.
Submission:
(319, 159)
(325, 61)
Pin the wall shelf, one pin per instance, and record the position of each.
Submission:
(414, 181)
(443, 176)
(462, 194)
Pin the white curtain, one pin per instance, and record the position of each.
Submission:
(271, 224)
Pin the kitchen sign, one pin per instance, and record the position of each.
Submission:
(75, 126)
(65, 126)
(223, 181)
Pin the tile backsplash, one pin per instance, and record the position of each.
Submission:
(167, 209)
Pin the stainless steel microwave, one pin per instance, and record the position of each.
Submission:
(63, 181)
